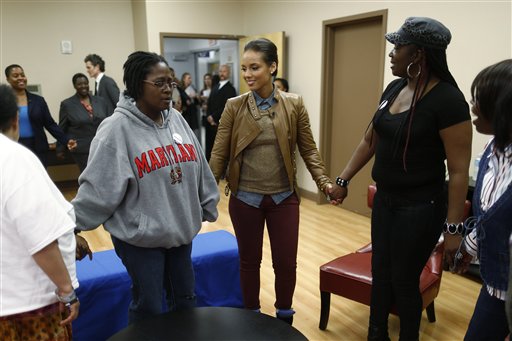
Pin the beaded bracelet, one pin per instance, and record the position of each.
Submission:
(342, 182)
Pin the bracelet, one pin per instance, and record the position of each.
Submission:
(67, 300)
(342, 182)
(453, 228)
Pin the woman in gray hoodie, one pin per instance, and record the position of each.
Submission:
(147, 181)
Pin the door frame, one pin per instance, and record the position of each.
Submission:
(196, 36)
(326, 114)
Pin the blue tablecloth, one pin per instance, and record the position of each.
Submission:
(104, 290)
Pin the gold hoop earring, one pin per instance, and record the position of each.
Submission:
(409, 71)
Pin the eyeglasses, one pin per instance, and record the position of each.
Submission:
(161, 84)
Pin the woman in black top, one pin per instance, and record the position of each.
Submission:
(422, 120)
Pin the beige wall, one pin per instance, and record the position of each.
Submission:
(31, 33)
(212, 17)
(481, 36)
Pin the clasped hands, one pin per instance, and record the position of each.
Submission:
(72, 145)
(211, 120)
(335, 194)
(456, 259)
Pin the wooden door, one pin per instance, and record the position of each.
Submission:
(353, 76)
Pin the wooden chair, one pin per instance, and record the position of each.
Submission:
(350, 276)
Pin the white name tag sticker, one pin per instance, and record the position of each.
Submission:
(177, 138)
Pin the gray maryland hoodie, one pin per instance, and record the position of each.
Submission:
(149, 186)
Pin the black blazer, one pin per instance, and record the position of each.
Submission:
(218, 98)
(108, 90)
(75, 122)
(40, 118)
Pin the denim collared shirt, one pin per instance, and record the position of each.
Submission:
(254, 199)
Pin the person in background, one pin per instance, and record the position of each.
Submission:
(37, 257)
(34, 116)
(150, 186)
(186, 80)
(281, 84)
(79, 117)
(206, 90)
(488, 241)
(105, 86)
(256, 141)
(422, 120)
(176, 97)
(215, 80)
(204, 94)
(221, 92)
(188, 102)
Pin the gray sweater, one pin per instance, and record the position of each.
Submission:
(149, 186)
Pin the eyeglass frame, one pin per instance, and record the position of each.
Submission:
(171, 85)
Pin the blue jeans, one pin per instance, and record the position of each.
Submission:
(404, 233)
(153, 271)
(489, 320)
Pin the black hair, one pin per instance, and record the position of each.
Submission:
(284, 82)
(9, 69)
(78, 75)
(136, 68)
(8, 107)
(491, 92)
(95, 60)
(267, 48)
(438, 65)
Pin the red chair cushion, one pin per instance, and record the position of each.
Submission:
(350, 276)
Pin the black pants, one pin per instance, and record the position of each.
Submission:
(210, 134)
(81, 160)
(30, 144)
(404, 233)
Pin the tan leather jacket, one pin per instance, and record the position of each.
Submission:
(238, 128)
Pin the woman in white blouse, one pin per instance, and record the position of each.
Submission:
(492, 202)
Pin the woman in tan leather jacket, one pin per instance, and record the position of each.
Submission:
(256, 141)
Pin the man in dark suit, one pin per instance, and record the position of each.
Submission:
(105, 87)
(220, 94)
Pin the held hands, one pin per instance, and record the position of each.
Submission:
(451, 245)
(210, 120)
(72, 145)
(82, 248)
(462, 260)
(336, 194)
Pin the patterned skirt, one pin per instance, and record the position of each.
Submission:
(39, 324)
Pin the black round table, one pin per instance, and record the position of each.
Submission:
(209, 323)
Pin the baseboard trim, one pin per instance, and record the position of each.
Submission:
(314, 196)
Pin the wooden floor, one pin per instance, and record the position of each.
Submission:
(327, 232)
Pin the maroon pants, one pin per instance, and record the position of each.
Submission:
(283, 231)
